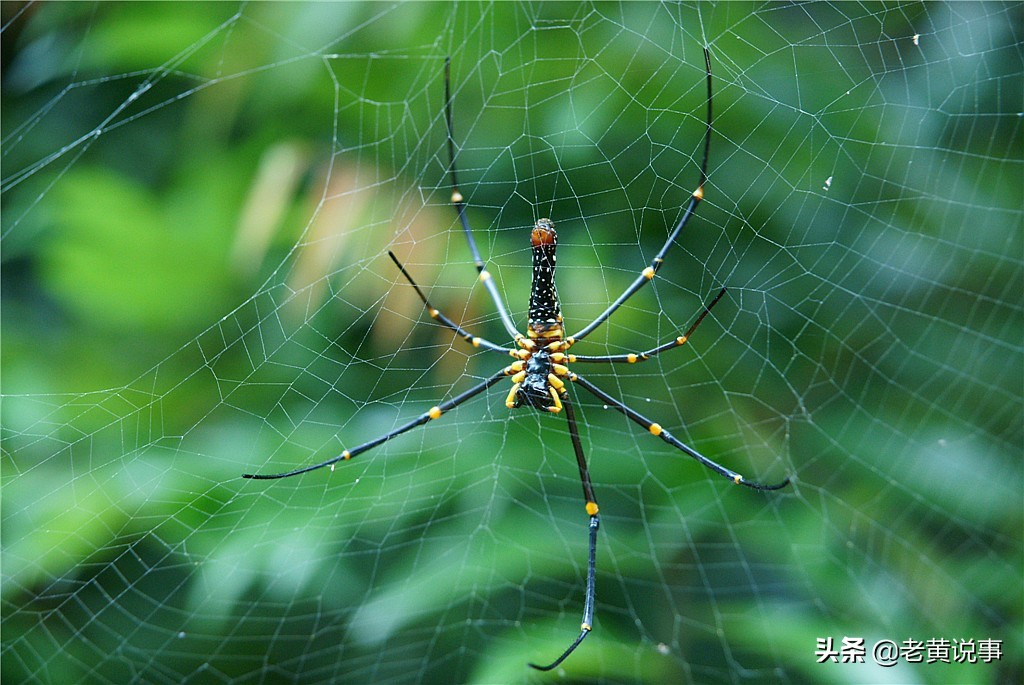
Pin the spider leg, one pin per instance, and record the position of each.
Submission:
(458, 201)
(657, 430)
(433, 413)
(648, 273)
(435, 313)
(595, 523)
(634, 357)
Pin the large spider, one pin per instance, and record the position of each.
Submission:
(541, 371)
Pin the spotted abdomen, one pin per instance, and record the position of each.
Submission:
(545, 314)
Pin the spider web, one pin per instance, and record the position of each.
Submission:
(197, 207)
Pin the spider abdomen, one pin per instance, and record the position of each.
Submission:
(545, 313)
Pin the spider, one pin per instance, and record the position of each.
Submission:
(540, 373)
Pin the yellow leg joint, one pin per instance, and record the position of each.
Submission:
(558, 402)
(737, 479)
(655, 429)
(346, 455)
(510, 401)
(648, 273)
(699, 193)
(434, 413)
(592, 508)
(631, 358)
(457, 197)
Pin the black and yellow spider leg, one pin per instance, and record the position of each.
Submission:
(634, 357)
(648, 273)
(429, 415)
(458, 201)
(595, 523)
(657, 430)
(435, 313)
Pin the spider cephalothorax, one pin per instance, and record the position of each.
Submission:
(535, 383)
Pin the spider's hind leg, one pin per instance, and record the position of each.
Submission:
(587, 624)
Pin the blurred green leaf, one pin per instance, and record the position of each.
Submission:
(115, 260)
